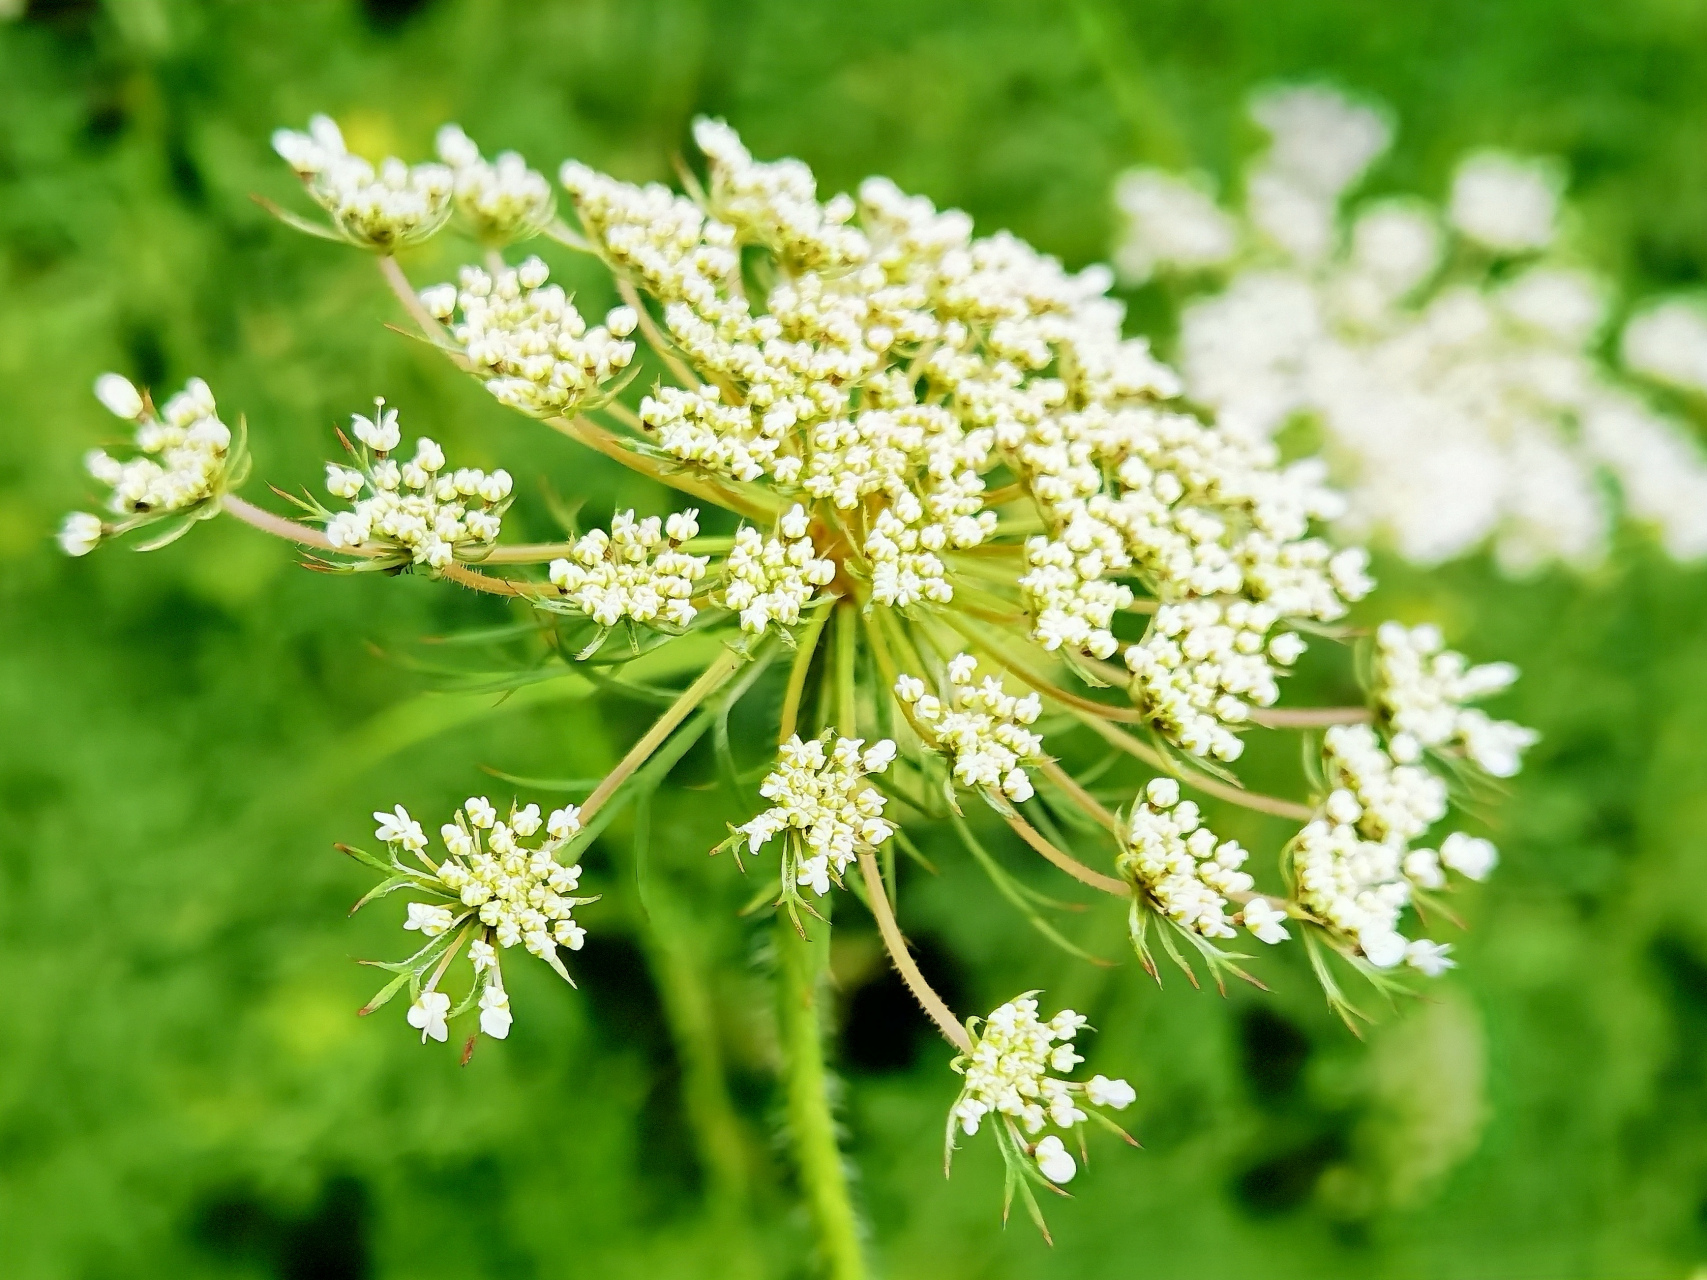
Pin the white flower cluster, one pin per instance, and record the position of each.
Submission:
(1195, 512)
(1386, 800)
(637, 570)
(981, 727)
(1462, 390)
(514, 892)
(1186, 873)
(897, 363)
(1359, 888)
(399, 205)
(824, 797)
(434, 517)
(502, 200)
(776, 204)
(1009, 1074)
(1201, 668)
(184, 452)
(1668, 343)
(1505, 203)
(1173, 224)
(526, 341)
(772, 579)
(1353, 865)
(1421, 688)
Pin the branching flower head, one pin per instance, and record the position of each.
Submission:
(415, 511)
(1422, 688)
(1185, 873)
(969, 515)
(1014, 1078)
(501, 200)
(636, 571)
(824, 809)
(982, 728)
(523, 337)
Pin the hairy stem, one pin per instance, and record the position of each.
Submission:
(674, 944)
(933, 1004)
(1066, 861)
(406, 296)
(697, 692)
(823, 1177)
(1202, 782)
(1311, 717)
(301, 534)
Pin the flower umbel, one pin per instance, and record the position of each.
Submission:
(823, 808)
(960, 533)
(185, 459)
(416, 511)
(1014, 1077)
(495, 888)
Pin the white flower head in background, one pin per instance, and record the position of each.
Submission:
(1506, 203)
(1668, 343)
(1173, 224)
(1460, 394)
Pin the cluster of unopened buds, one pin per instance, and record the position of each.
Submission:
(184, 460)
(636, 571)
(950, 510)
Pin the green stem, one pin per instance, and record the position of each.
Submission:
(847, 653)
(823, 1177)
(708, 683)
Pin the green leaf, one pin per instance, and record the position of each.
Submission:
(368, 859)
(392, 884)
(298, 223)
(385, 993)
(543, 784)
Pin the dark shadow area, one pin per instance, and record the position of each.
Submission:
(613, 972)
(1273, 1052)
(1283, 1182)
(388, 15)
(325, 1241)
(883, 1028)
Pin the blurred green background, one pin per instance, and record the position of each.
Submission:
(184, 1091)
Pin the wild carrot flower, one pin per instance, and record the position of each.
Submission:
(981, 530)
